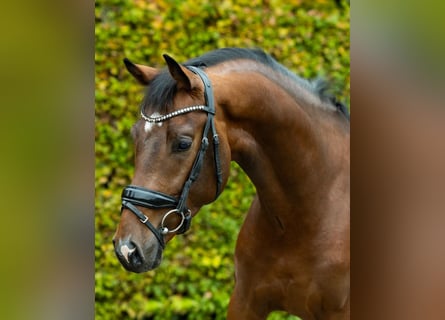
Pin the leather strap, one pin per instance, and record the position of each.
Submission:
(148, 198)
(210, 102)
(144, 219)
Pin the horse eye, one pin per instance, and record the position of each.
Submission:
(183, 145)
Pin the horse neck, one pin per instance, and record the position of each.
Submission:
(282, 145)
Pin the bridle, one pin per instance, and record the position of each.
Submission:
(133, 196)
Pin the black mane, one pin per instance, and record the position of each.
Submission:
(163, 87)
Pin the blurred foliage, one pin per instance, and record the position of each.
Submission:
(195, 279)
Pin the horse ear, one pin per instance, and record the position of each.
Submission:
(142, 73)
(185, 79)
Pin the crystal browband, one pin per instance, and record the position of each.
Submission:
(174, 113)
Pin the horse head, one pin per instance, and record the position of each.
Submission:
(182, 162)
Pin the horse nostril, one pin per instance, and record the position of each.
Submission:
(135, 259)
(128, 253)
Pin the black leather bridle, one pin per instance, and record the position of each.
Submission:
(133, 196)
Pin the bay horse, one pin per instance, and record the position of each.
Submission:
(290, 137)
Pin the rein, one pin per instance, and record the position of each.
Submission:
(133, 196)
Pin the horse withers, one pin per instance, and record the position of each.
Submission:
(292, 140)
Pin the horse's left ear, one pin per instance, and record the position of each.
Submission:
(142, 73)
(185, 79)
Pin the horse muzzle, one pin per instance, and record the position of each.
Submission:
(138, 258)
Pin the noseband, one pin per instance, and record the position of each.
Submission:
(133, 196)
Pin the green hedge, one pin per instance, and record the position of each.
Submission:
(195, 279)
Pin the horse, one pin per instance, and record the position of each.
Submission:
(290, 136)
